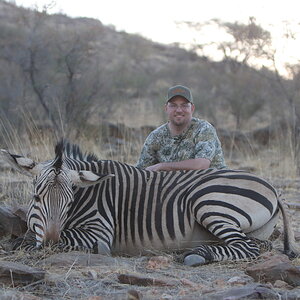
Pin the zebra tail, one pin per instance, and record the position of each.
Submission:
(289, 242)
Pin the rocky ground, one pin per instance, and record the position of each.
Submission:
(48, 275)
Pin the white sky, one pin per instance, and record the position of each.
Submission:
(156, 19)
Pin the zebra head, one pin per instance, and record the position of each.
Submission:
(53, 194)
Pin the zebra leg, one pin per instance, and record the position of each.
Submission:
(101, 248)
(236, 246)
(264, 246)
(80, 239)
(27, 242)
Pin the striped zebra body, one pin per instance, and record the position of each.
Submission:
(212, 215)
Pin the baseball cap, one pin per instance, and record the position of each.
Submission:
(180, 90)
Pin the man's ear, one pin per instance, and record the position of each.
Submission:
(22, 164)
(166, 107)
(88, 178)
(193, 107)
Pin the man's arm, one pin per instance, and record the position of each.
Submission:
(189, 164)
(148, 153)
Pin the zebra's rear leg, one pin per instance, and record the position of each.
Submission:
(264, 245)
(244, 249)
(236, 246)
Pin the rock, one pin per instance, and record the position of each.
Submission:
(188, 283)
(133, 295)
(289, 295)
(11, 224)
(145, 281)
(279, 284)
(219, 284)
(20, 211)
(78, 259)
(158, 262)
(14, 295)
(15, 274)
(240, 280)
(252, 291)
(92, 274)
(277, 267)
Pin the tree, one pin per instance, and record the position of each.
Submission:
(245, 45)
(249, 45)
(59, 68)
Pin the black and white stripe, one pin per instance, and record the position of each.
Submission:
(212, 215)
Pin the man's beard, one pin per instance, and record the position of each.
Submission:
(180, 122)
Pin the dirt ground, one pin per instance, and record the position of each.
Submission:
(78, 275)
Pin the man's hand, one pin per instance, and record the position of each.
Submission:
(156, 167)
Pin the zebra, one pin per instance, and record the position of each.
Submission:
(109, 207)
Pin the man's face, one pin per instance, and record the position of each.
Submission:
(179, 111)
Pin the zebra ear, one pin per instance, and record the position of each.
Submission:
(87, 178)
(22, 164)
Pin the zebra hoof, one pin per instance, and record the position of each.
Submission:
(194, 260)
(101, 248)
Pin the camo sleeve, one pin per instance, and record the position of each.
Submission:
(206, 142)
(148, 153)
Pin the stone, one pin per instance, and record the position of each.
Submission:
(166, 297)
(240, 280)
(78, 259)
(252, 291)
(15, 295)
(290, 295)
(92, 274)
(279, 284)
(133, 295)
(16, 274)
(158, 262)
(188, 283)
(135, 279)
(276, 267)
(11, 224)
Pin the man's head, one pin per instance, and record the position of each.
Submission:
(179, 106)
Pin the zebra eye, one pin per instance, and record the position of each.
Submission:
(37, 198)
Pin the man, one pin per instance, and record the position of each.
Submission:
(185, 142)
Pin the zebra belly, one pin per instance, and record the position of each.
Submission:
(264, 232)
(193, 238)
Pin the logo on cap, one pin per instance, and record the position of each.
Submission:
(178, 91)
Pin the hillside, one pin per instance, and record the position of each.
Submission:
(60, 70)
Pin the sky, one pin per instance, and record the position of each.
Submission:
(156, 19)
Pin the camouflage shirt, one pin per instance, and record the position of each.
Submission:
(199, 141)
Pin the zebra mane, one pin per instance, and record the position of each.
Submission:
(58, 155)
(63, 147)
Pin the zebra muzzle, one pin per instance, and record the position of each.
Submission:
(52, 235)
